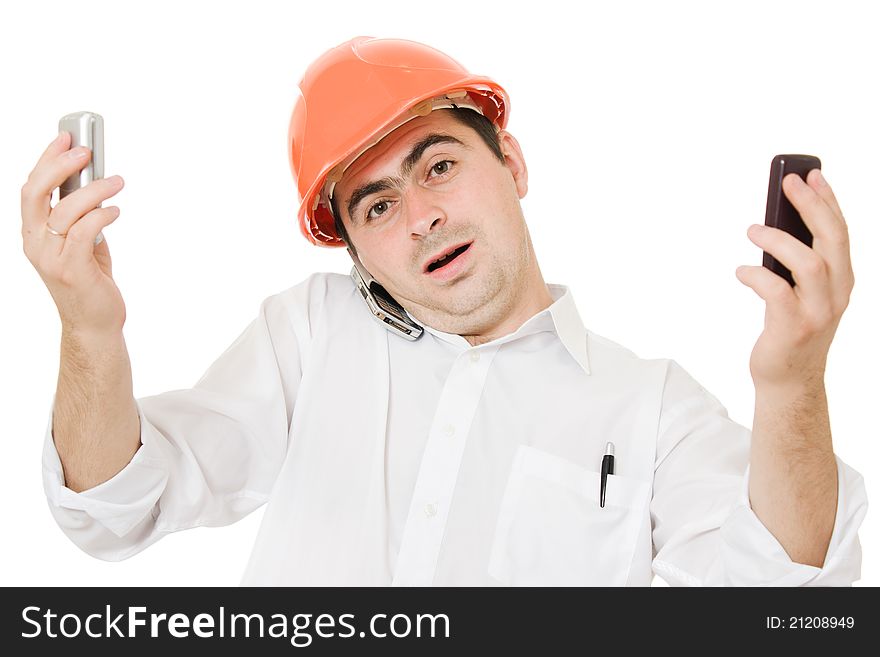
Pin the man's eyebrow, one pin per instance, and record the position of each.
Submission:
(366, 190)
(406, 167)
(416, 152)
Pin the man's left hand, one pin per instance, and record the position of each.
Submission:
(800, 321)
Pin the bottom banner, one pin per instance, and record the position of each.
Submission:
(432, 621)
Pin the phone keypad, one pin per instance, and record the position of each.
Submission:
(386, 306)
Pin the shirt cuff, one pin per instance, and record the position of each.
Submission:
(754, 557)
(122, 501)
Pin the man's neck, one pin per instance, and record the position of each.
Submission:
(532, 303)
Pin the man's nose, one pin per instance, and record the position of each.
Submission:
(424, 212)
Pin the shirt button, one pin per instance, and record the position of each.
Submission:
(448, 430)
(430, 510)
(475, 356)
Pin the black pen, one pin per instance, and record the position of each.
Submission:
(607, 469)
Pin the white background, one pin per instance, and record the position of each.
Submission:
(648, 129)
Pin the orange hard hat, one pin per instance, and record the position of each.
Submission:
(355, 94)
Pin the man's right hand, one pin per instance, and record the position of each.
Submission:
(77, 273)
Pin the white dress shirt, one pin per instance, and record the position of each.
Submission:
(390, 462)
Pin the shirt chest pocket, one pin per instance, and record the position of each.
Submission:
(551, 530)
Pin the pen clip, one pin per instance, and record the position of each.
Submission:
(607, 469)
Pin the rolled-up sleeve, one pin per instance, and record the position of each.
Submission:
(209, 455)
(705, 532)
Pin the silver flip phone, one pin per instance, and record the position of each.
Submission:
(382, 305)
(86, 129)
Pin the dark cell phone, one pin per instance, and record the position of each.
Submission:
(780, 212)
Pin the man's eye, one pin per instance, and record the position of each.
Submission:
(442, 167)
(379, 207)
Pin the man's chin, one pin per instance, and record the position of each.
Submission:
(454, 307)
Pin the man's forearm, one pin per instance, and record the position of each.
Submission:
(96, 427)
(793, 472)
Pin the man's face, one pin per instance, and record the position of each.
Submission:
(451, 190)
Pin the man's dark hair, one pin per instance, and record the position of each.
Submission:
(474, 120)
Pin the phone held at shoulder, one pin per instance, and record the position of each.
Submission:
(382, 305)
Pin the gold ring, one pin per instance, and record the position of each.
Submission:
(53, 231)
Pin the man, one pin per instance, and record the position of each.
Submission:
(472, 454)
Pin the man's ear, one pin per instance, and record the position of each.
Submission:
(514, 160)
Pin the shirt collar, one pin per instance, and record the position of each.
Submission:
(560, 317)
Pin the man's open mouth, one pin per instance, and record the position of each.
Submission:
(449, 257)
